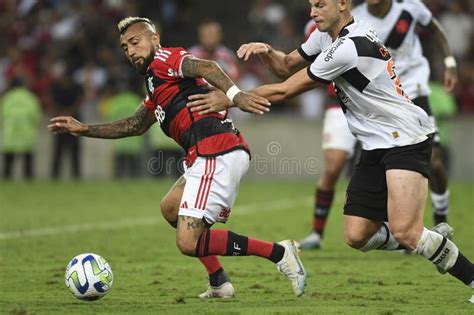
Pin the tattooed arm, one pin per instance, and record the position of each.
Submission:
(132, 126)
(210, 70)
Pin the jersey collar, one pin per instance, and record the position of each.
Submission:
(344, 30)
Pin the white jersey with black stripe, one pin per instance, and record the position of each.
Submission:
(397, 30)
(378, 112)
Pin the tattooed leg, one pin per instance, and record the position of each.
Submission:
(188, 231)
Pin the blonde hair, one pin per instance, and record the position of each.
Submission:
(125, 23)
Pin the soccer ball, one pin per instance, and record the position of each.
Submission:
(89, 277)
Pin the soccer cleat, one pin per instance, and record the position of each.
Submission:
(224, 291)
(445, 230)
(312, 241)
(292, 267)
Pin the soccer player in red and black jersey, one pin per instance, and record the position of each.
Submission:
(217, 154)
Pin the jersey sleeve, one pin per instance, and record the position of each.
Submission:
(310, 49)
(334, 61)
(421, 13)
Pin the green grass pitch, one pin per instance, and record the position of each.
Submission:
(43, 225)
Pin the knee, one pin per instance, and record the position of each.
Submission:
(355, 240)
(436, 161)
(169, 211)
(186, 246)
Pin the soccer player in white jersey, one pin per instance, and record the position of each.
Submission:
(387, 193)
(395, 23)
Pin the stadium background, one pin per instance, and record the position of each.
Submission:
(43, 224)
(41, 42)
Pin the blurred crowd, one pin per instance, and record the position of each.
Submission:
(64, 55)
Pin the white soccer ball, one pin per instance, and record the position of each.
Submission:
(89, 277)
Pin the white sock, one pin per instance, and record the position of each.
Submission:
(440, 202)
(438, 249)
(382, 240)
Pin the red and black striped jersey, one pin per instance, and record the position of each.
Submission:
(168, 91)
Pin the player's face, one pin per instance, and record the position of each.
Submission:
(139, 44)
(325, 13)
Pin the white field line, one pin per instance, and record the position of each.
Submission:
(144, 221)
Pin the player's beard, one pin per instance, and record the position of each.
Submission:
(146, 62)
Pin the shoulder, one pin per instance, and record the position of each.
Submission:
(168, 57)
(342, 51)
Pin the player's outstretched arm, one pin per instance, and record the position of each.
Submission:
(279, 63)
(294, 85)
(135, 125)
(451, 71)
(210, 70)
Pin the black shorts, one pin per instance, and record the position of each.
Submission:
(366, 195)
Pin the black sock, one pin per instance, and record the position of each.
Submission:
(463, 269)
(277, 253)
(218, 278)
(439, 218)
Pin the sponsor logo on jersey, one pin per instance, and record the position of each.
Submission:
(224, 213)
(330, 52)
(151, 88)
(184, 205)
(160, 114)
(172, 73)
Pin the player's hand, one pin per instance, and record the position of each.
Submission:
(246, 50)
(63, 124)
(450, 79)
(252, 103)
(212, 102)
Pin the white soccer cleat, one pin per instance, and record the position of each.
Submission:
(292, 267)
(312, 241)
(445, 230)
(224, 291)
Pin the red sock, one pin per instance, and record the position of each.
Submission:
(211, 263)
(322, 205)
(227, 243)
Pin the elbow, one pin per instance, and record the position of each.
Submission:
(209, 66)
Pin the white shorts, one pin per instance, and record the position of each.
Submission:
(211, 186)
(336, 133)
